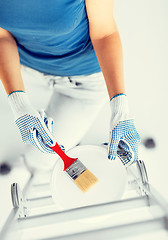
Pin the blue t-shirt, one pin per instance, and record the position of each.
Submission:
(52, 35)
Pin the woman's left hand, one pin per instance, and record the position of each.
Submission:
(124, 138)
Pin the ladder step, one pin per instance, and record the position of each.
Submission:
(116, 232)
(82, 213)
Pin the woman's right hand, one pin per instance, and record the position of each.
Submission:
(35, 127)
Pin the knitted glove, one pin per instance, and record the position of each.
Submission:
(124, 138)
(33, 125)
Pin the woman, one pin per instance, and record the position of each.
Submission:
(74, 44)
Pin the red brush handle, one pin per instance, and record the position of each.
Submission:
(67, 160)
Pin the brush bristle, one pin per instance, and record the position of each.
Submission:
(86, 180)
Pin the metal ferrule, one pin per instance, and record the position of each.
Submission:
(75, 169)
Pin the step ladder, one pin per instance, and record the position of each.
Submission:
(142, 213)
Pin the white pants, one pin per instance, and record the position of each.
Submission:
(73, 102)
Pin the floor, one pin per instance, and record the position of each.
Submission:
(144, 33)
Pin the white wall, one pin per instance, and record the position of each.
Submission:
(144, 32)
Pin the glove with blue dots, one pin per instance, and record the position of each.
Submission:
(35, 128)
(124, 138)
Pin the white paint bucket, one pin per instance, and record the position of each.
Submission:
(112, 179)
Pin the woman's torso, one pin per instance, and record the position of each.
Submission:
(52, 36)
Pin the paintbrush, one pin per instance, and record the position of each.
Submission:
(75, 169)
